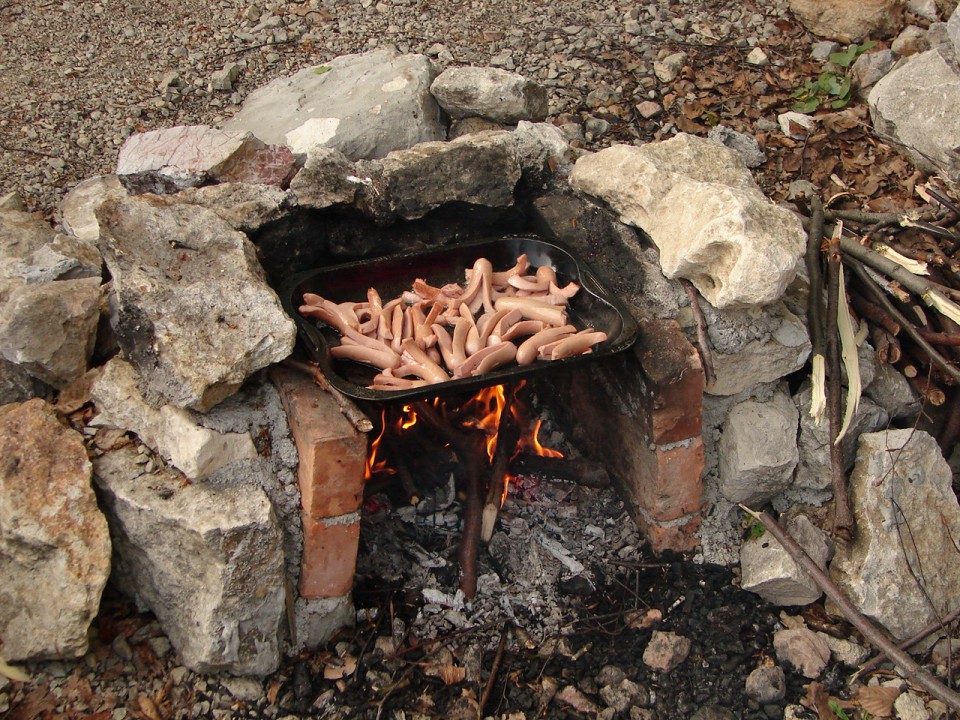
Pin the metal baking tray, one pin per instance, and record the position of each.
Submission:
(593, 306)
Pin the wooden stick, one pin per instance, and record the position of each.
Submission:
(703, 340)
(843, 520)
(582, 471)
(508, 435)
(910, 668)
(350, 411)
(495, 667)
(911, 641)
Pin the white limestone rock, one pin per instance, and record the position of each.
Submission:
(192, 310)
(365, 106)
(175, 433)
(850, 20)
(207, 561)
(758, 449)
(907, 517)
(769, 571)
(914, 106)
(490, 93)
(50, 329)
(699, 204)
(54, 543)
(78, 207)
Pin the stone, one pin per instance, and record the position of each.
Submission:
(766, 684)
(469, 125)
(490, 93)
(327, 179)
(480, 169)
(910, 41)
(54, 542)
(171, 159)
(207, 561)
(21, 233)
(192, 312)
(224, 78)
(16, 385)
(850, 20)
(796, 125)
(315, 620)
(757, 57)
(754, 347)
(669, 68)
(758, 450)
(50, 329)
(12, 201)
(365, 105)
(649, 109)
(803, 649)
(894, 393)
(713, 712)
(624, 694)
(910, 706)
(822, 50)
(913, 107)
(846, 652)
(665, 651)
(63, 258)
(701, 207)
(926, 9)
(267, 165)
(899, 482)
(175, 433)
(769, 571)
(746, 146)
(542, 151)
(78, 208)
(869, 68)
(245, 207)
(813, 471)
(953, 30)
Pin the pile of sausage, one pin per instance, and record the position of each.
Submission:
(435, 334)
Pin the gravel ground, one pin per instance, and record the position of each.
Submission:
(77, 78)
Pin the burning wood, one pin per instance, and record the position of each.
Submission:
(431, 334)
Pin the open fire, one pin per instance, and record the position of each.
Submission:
(480, 441)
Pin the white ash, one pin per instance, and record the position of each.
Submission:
(553, 540)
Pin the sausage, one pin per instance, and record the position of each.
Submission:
(383, 359)
(577, 344)
(502, 354)
(522, 328)
(525, 282)
(444, 345)
(534, 309)
(528, 349)
(427, 368)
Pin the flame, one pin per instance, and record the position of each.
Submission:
(375, 465)
(540, 449)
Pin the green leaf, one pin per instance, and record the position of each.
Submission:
(843, 59)
(831, 84)
(840, 103)
(807, 106)
(837, 710)
(868, 45)
(321, 69)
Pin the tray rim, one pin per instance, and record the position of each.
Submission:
(320, 350)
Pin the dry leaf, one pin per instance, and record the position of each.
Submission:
(340, 668)
(878, 701)
(451, 674)
(14, 673)
(818, 700)
(148, 708)
(274, 691)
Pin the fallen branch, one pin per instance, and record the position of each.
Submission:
(910, 668)
(815, 311)
(703, 340)
(508, 435)
(495, 667)
(350, 411)
(843, 521)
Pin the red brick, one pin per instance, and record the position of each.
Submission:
(679, 538)
(673, 374)
(332, 453)
(329, 556)
(671, 485)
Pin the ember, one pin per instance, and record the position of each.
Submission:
(477, 440)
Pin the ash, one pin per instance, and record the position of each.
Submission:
(555, 542)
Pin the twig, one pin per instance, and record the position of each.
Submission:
(911, 641)
(28, 151)
(703, 340)
(843, 520)
(908, 327)
(350, 411)
(910, 668)
(495, 667)
(508, 434)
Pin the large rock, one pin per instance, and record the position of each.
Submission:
(914, 107)
(757, 346)
(171, 159)
(480, 169)
(699, 204)
(65, 257)
(246, 207)
(327, 179)
(21, 234)
(365, 105)
(758, 450)
(901, 570)
(175, 433)
(16, 384)
(490, 93)
(54, 543)
(78, 207)
(850, 20)
(193, 312)
(769, 571)
(207, 561)
(50, 329)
